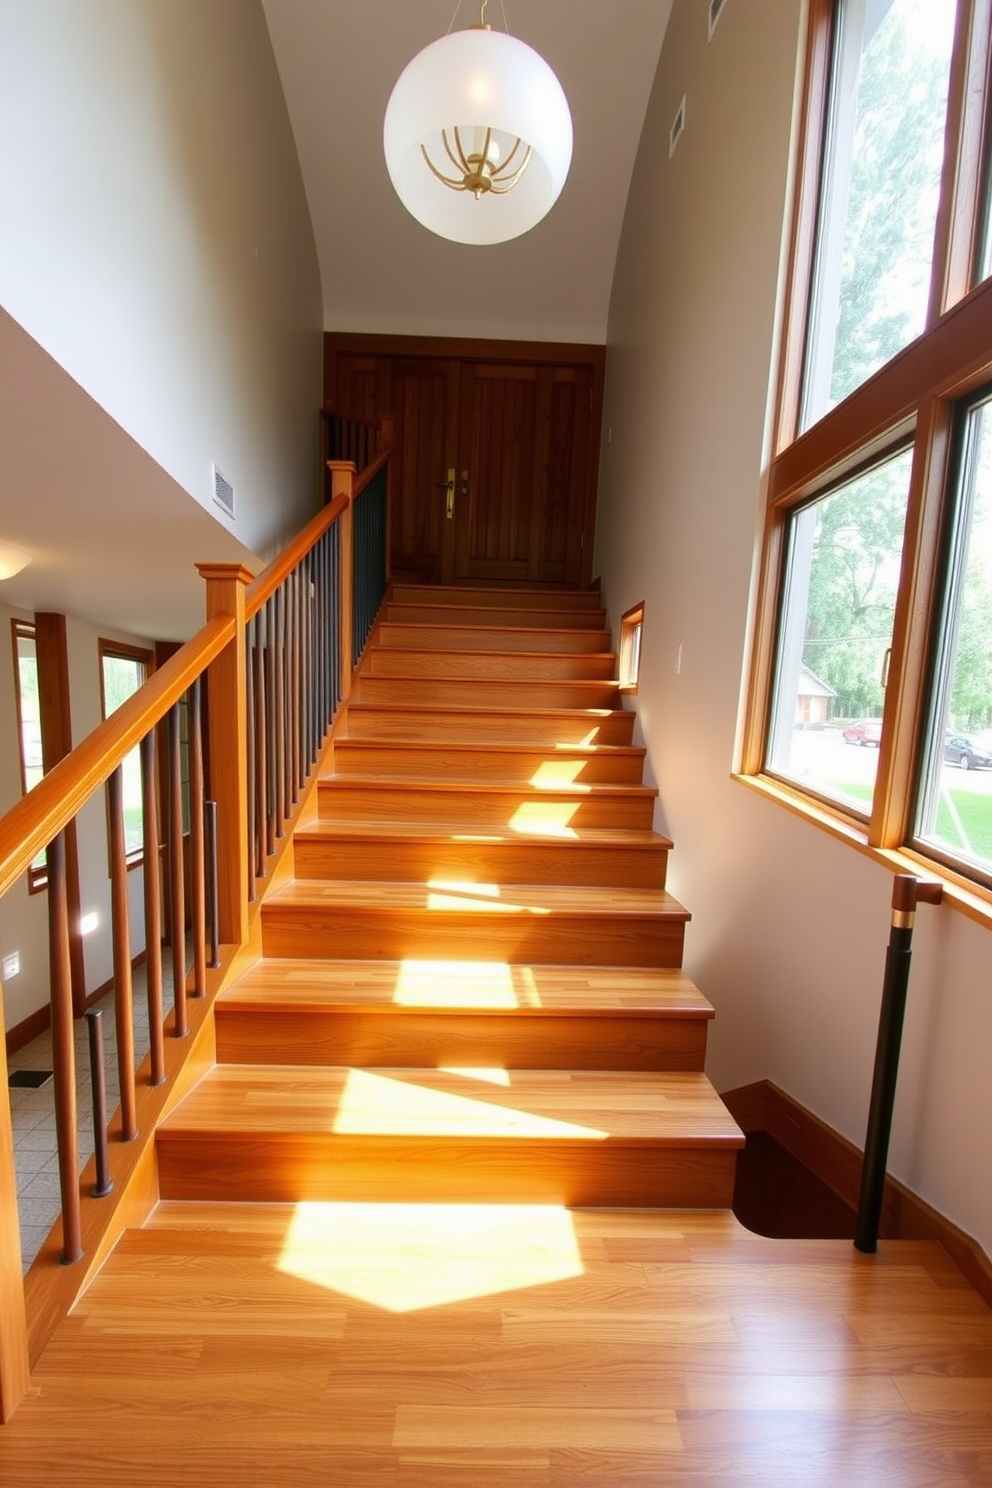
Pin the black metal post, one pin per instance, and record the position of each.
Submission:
(98, 1084)
(907, 890)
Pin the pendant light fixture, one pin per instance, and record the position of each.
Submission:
(478, 136)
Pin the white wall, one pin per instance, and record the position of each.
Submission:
(789, 926)
(156, 239)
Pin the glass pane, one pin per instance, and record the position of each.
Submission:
(122, 676)
(956, 801)
(836, 626)
(881, 182)
(30, 710)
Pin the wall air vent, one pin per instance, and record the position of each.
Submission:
(716, 9)
(223, 491)
(678, 125)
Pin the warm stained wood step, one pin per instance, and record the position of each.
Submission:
(495, 614)
(451, 723)
(486, 692)
(530, 598)
(588, 764)
(392, 635)
(525, 923)
(622, 857)
(440, 1014)
(466, 807)
(552, 666)
(573, 1137)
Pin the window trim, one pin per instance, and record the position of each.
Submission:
(631, 624)
(916, 393)
(37, 878)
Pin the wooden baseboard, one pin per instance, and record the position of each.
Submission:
(837, 1163)
(35, 1023)
(29, 1028)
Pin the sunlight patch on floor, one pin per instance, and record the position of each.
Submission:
(378, 1105)
(557, 772)
(490, 1075)
(403, 1257)
(545, 818)
(456, 984)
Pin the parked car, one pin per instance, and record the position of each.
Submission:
(867, 732)
(970, 752)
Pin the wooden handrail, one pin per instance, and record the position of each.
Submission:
(278, 571)
(48, 807)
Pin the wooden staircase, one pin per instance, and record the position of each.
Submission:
(470, 990)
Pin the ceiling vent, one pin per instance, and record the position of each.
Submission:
(716, 9)
(678, 125)
(223, 491)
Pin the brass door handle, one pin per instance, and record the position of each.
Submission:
(448, 487)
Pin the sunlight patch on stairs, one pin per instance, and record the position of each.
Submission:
(405, 1257)
(379, 1105)
(545, 818)
(465, 984)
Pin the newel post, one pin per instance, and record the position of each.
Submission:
(15, 1372)
(228, 748)
(343, 484)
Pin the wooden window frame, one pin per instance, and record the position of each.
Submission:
(629, 659)
(917, 393)
(37, 878)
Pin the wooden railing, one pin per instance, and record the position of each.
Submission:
(246, 706)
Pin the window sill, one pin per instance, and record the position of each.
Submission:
(960, 894)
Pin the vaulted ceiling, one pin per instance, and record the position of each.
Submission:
(380, 270)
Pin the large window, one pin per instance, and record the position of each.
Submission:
(123, 669)
(871, 691)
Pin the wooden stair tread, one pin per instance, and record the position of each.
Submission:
(512, 747)
(325, 829)
(531, 597)
(487, 988)
(584, 1105)
(461, 634)
(328, 784)
(503, 617)
(508, 899)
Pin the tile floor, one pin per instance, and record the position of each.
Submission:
(33, 1111)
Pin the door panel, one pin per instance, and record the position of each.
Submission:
(423, 397)
(496, 469)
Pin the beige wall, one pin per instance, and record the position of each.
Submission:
(156, 240)
(789, 926)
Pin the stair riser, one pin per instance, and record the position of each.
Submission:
(484, 639)
(480, 692)
(493, 665)
(254, 1167)
(384, 723)
(415, 1039)
(479, 597)
(348, 802)
(366, 933)
(479, 615)
(396, 860)
(483, 763)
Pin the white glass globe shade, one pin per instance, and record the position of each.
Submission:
(487, 79)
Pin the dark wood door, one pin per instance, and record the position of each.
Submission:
(519, 427)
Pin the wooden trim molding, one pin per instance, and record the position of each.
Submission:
(764, 1107)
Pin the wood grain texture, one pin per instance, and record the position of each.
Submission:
(488, 692)
(491, 612)
(250, 1345)
(520, 639)
(552, 666)
(585, 764)
(465, 807)
(452, 723)
(623, 857)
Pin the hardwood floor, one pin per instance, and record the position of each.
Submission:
(452, 1208)
(506, 1347)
